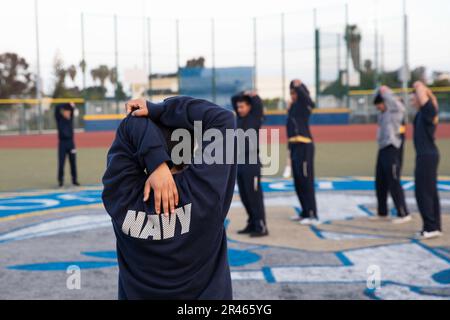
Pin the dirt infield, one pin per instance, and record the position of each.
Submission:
(350, 133)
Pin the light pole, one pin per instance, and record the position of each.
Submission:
(405, 71)
(255, 55)
(283, 64)
(38, 68)
(213, 60)
(347, 56)
(317, 58)
(83, 54)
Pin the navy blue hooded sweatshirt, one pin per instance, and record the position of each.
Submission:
(65, 126)
(183, 256)
(299, 114)
(425, 124)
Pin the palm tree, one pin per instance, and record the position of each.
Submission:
(82, 66)
(113, 75)
(72, 71)
(103, 74)
(94, 74)
(100, 73)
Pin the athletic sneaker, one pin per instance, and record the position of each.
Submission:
(425, 235)
(76, 184)
(246, 230)
(287, 172)
(379, 218)
(295, 218)
(310, 222)
(259, 234)
(402, 220)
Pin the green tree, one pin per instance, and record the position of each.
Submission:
(82, 66)
(196, 63)
(94, 93)
(113, 77)
(59, 75)
(120, 93)
(72, 71)
(15, 78)
(101, 73)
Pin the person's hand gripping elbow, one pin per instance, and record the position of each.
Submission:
(164, 190)
(137, 108)
(161, 180)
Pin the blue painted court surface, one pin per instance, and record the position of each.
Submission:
(23, 204)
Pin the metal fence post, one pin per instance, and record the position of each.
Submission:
(177, 48)
(376, 51)
(116, 63)
(317, 58)
(144, 29)
(83, 51)
(283, 64)
(213, 61)
(347, 58)
(255, 55)
(83, 65)
(149, 29)
(38, 69)
(405, 68)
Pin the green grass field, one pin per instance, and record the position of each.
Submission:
(36, 168)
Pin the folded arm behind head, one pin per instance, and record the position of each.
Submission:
(386, 97)
(142, 139)
(183, 112)
(301, 102)
(423, 94)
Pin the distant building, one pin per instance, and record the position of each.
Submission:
(162, 86)
(441, 76)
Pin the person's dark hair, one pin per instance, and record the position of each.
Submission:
(292, 87)
(305, 88)
(67, 107)
(378, 99)
(244, 98)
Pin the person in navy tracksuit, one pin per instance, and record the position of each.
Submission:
(250, 116)
(66, 145)
(181, 255)
(301, 147)
(427, 160)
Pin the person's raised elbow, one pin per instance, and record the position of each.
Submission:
(134, 125)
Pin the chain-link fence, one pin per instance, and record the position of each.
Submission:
(332, 52)
(363, 110)
(23, 116)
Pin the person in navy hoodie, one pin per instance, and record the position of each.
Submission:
(250, 116)
(66, 145)
(182, 253)
(301, 147)
(427, 160)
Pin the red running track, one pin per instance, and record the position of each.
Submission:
(350, 133)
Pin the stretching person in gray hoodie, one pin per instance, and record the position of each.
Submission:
(388, 171)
